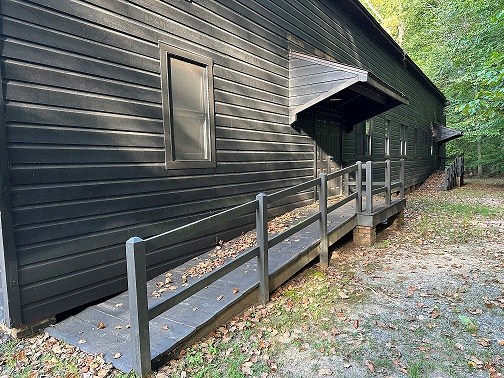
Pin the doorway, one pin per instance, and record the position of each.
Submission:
(328, 149)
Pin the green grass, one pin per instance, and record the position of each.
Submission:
(419, 368)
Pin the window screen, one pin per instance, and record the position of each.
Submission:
(403, 139)
(368, 137)
(187, 108)
(387, 138)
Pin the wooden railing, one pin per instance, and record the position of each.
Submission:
(136, 248)
(454, 174)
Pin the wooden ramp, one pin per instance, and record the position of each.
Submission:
(202, 312)
(103, 328)
(168, 321)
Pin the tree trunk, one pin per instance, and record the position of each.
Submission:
(480, 164)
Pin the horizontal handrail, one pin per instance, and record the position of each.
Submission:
(344, 201)
(395, 185)
(208, 279)
(396, 163)
(375, 183)
(378, 190)
(379, 164)
(181, 233)
(341, 172)
(292, 230)
(293, 190)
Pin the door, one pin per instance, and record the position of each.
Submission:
(328, 150)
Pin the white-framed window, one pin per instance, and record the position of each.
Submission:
(403, 140)
(386, 142)
(188, 108)
(368, 137)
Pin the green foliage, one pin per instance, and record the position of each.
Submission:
(459, 44)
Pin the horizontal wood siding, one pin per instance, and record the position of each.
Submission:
(85, 132)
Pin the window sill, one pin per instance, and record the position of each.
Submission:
(190, 164)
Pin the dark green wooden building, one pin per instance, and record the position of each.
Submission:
(128, 118)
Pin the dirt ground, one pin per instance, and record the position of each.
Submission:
(425, 301)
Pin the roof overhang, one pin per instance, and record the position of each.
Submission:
(443, 134)
(356, 93)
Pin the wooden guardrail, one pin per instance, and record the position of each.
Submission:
(136, 248)
(454, 174)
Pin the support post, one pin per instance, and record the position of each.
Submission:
(401, 179)
(324, 240)
(358, 187)
(369, 187)
(462, 170)
(388, 184)
(262, 243)
(346, 188)
(138, 306)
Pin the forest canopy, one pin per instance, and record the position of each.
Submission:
(459, 44)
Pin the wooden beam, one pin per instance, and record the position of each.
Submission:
(369, 93)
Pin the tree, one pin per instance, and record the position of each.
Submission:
(460, 45)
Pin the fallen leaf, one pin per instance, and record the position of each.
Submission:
(410, 291)
(356, 323)
(101, 325)
(235, 290)
(459, 346)
(500, 342)
(484, 342)
(343, 294)
(33, 374)
(475, 362)
(165, 327)
(184, 279)
(493, 372)
(325, 371)
(117, 355)
(102, 373)
(476, 311)
(370, 366)
(82, 341)
(119, 305)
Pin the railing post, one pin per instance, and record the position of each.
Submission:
(369, 187)
(401, 179)
(388, 184)
(346, 188)
(324, 241)
(138, 307)
(262, 243)
(358, 187)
